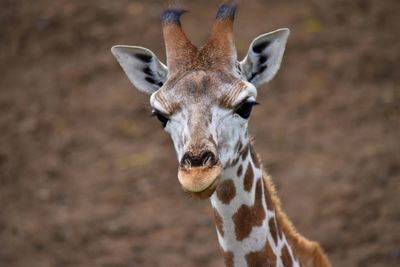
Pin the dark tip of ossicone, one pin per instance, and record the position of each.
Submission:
(172, 16)
(227, 11)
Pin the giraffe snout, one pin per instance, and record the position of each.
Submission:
(204, 158)
(199, 172)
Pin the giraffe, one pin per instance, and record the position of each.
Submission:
(203, 98)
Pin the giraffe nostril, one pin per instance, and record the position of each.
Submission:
(190, 160)
(208, 158)
(188, 163)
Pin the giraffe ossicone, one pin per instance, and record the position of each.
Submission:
(203, 98)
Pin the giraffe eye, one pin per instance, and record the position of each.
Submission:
(244, 109)
(161, 117)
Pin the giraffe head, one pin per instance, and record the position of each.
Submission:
(204, 96)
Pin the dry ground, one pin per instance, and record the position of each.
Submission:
(87, 179)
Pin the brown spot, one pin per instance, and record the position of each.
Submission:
(285, 256)
(265, 257)
(245, 152)
(218, 222)
(258, 259)
(248, 178)
(234, 162)
(270, 254)
(248, 217)
(226, 191)
(272, 230)
(238, 146)
(240, 171)
(279, 229)
(270, 206)
(228, 258)
(255, 158)
(268, 199)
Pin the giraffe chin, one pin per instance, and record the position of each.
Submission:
(200, 182)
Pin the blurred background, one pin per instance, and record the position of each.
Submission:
(88, 179)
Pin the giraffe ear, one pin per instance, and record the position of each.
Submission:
(264, 56)
(145, 71)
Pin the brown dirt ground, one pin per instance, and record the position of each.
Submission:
(87, 179)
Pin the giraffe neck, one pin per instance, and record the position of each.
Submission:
(248, 228)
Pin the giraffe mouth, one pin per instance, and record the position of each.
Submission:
(200, 182)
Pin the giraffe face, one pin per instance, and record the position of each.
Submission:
(205, 95)
(206, 114)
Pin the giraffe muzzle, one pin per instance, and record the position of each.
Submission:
(199, 174)
(201, 181)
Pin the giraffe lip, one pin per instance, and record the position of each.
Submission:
(200, 181)
(206, 193)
